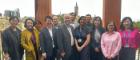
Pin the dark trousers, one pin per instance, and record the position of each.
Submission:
(96, 55)
(50, 58)
(15, 56)
(127, 53)
(53, 56)
(72, 55)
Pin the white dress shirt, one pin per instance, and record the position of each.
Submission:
(72, 39)
(51, 34)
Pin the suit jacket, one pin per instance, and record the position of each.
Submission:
(46, 41)
(66, 39)
(58, 40)
(27, 44)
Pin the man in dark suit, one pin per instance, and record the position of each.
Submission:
(67, 38)
(11, 41)
(48, 40)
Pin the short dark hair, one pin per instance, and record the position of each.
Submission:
(88, 15)
(25, 23)
(13, 17)
(131, 24)
(115, 28)
(48, 17)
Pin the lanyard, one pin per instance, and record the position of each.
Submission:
(126, 36)
(80, 33)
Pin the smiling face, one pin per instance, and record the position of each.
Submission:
(126, 23)
(82, 21)
(72, 18)
(97, 22)
(49, 22)
(14, 22)
(88, 19)
(111, 27)
(29, 24)
(67, 19)
(55, 20)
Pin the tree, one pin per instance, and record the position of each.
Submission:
(137, 24)
(61, 18)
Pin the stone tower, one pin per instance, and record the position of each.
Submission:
(76, 9)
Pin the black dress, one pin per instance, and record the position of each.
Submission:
(80, 35)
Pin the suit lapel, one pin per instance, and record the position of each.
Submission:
(48, 33)
(53, 32)
(66, 30)
(67, 34)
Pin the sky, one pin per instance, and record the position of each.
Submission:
(94, 7)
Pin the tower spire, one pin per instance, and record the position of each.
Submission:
(76, 9)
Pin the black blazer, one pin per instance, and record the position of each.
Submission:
(46, 41)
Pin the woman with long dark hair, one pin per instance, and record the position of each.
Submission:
(130, 37)
(97, 31)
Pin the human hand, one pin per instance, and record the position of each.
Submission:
(6, 56)
(62, 54)
(109, 58)
(79, 49)
(97, 50)
(44, 55)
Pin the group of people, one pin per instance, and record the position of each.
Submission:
(85, 39)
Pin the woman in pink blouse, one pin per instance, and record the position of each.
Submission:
(130, 38)
(111, 42)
